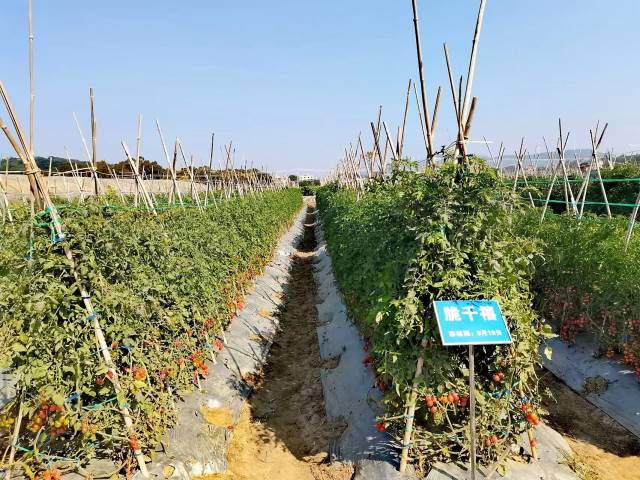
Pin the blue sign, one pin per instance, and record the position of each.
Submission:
(471, 322)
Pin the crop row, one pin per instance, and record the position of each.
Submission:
(443, 234)
(587, 281)
(164, 288)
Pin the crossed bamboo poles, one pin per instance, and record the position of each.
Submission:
(206, 182)
(41, 197)
(375, 160)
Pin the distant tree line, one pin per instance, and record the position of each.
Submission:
(148, 168)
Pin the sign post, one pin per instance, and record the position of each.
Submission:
(471, 322)
(472, 412)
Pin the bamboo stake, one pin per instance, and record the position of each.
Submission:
(32, 95)
(386, 151)
(493, 162)
(423, 92)
(145, 194)
(553, 180)
(420, 117)
(115, 177)
(379, 124)
(16, 433)
(472, 110)
(190, 172)
(137, 165)
(206, 198)
(404, 120)
(434, 119)
(386, 131)
(632, 222)
(500, 158)
(194, 194)
(75, 175)
(472, 63)
(66, 185)
(460, 97)
(225, 172)
(519, 156)
(94, 157)
(172, 167)
(376, 143)
(41, 190)
(84, 142)
(595, 144)
(6, 174)
(366, 164)
(461, 146)
(33, 186)
(411, 410)
(567, 185)
(582, 194)
(50, 165)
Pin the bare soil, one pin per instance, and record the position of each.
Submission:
(607, 449)
(284, 433)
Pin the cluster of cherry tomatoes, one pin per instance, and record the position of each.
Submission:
(87, 428)
(133, 443)
(167, 372)
(452, 398)
(139, 373)
(578, 312)
(498, 377)
(530, 415)
(630, 357)
(51, 474)
(488, 440)
(198, 359)
(102, 378)
(51, 415)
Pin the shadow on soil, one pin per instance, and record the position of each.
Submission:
(289, 400)
(575, 417)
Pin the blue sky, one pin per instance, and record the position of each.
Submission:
(292, 82)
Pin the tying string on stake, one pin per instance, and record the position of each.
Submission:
(95, 406)
(75, 461)
(39, 221)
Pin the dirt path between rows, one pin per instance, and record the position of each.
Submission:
(283, 433)
(604, 450)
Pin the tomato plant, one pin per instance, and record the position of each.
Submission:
(587, 281)
(443, 234)
(163, 286)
